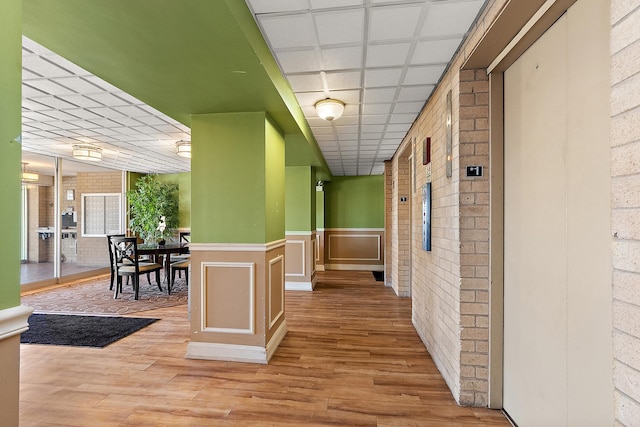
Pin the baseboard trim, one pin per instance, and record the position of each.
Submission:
(298, 286)
(355, 267)
(14, 321)
(236, 352)
(276, 339)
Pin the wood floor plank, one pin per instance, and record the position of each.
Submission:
(351, 358)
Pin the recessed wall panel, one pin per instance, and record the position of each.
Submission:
(233, 283)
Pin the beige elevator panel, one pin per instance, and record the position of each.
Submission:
(557, 267)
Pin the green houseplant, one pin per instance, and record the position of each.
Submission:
(153, 209)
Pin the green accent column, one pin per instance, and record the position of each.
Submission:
(300, 198)
(237, 179)
(10, 149)
(320, 209)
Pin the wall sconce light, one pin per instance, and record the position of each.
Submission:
(329, 109)
(28, 176)
(183, 149)
(87, 152)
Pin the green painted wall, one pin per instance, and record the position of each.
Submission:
(237, 187)
(275, 182)
(10, 149)
(183, 180)
(355, 202)
(319, 209)
(300, 211)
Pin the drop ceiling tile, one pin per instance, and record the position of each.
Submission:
(151, 120)
(415, 93)
(393, 22)
(83, 114)
(39, 65)
(49, 87)
(371, 128)
(43, 126)
(428, 74)
(305, 82)
(408, 107)
(102, 84)
(107, 99)
(369, 142)
(323, 4)
(379, 96)
(30, 92)
(352, 109)
(80, 101)
(78, 124)
(322, 131)
(347, 129)
(448, 18)
(374, 119)
(347, 120)
(341, 58)
(382, 77)
(344, 80)
(309, 98)
(55, 102)
(77, 84)
(387, 55)
(28, 75)
(402, 118)
(435, 51)
(349, 97)
(127, 121)
(103, 122)
(366, 134)
(265, 6)
(399, 127)
(279, 28)
(368, 109)
(298, 61)
(343, 26)
(60, 114)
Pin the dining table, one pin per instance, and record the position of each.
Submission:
(165, 251)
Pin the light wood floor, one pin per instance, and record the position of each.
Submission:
(351, 358)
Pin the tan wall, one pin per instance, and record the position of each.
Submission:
(400, 211)
(301, 257)
(240, 296)
(92, 251)
(625, 172)
(450, 285)
(10, 374)
(354, 249)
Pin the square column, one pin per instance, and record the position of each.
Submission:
(238, 239)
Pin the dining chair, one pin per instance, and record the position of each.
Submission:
(111, 258)
(128, 264)
(184, 238)
(182, 265)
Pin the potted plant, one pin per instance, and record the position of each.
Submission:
(153, 209)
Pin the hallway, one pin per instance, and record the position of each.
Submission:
(351, 357)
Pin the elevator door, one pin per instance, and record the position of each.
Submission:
(557, 268)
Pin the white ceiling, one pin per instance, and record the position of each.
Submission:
(64, 105)
(382, 58)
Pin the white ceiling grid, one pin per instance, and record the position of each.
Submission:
(381, 58)
(64, 105)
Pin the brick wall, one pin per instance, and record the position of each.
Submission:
(401, 233)
(388, 221)
(92, 251)
(474, 237)
(625, 172)
(450, 284)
